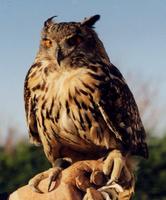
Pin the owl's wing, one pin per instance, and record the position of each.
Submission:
(30, 113)
(120, 112)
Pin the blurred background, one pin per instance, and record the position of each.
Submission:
(134, 35)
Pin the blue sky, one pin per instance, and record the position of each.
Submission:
(133, 32)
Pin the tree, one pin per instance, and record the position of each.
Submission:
(151, 176)
(18, 166)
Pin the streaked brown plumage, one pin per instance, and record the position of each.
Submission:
(76, 98)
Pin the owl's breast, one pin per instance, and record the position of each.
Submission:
(69, 110)
(71, 91)
(80, 124)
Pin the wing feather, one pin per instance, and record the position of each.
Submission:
(30, 111)
(120, 112)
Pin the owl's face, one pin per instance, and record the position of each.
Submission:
(62, 40)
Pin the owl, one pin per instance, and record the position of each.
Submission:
(78, 105)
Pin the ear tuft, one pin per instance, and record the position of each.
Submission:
(90, 21)
(49, 22)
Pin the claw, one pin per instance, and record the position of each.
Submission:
(53, 176)
(115, 186)
(118, 165)
(110, 191)
(35, 188)
(106, 196)
(34, 182)
(52, 173)
(114, 163)
(127, 173)
(112, 166)
(97, 177)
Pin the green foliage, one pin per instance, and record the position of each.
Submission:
(18, 166)
(151, 177)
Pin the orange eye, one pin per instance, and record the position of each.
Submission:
(46, 43)
(75, 40)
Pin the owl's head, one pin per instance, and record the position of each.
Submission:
(67, 39)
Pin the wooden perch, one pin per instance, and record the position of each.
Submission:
(79, 181)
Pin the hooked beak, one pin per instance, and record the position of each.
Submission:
(59, 55)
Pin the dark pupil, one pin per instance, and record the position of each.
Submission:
(72, 41)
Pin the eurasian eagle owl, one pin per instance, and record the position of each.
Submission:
(77, 103)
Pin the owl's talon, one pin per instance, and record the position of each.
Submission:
(34, 182)
(35, 188)
(118, 188)
(52, 173)
(114, 164)
(53, 176)
(110, 192)
(112, 167)
(106, 196)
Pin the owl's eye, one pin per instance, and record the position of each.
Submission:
(74, 40)
(46, 42)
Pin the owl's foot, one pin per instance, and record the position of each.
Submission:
(52, 174)
(113, 166)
